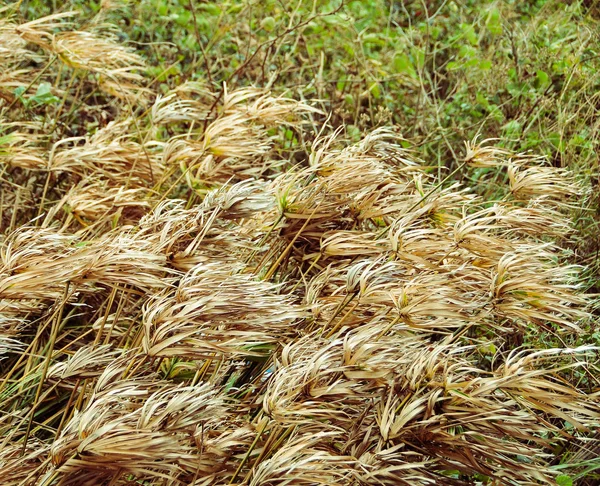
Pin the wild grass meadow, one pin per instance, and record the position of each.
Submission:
(317, 242)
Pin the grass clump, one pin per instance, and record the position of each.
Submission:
(231, 254)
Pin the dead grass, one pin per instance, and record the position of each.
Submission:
(183, 303)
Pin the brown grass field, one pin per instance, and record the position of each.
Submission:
(212, 283)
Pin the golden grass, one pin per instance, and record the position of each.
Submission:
(181, 305)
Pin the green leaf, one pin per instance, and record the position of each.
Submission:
(44, 95)
(210, 8)
(489, 349)
(184, 18)
(5, 140)
(162, 9)
(467, 52)
(468, 31)
(402, 64)
(494, 22)
(482, 100)
(268, 23)
(564, 480)
(333, 20)
(313, 28)
(374, 39)
(375, 90)
(353, 132)
(474, 62)
(542, 79)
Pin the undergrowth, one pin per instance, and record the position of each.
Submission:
(260, 243)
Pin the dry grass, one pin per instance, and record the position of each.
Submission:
(183, 303)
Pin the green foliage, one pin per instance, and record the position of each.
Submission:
(564, 480)
(42, 96)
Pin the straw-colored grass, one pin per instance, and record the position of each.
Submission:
(182, 302)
